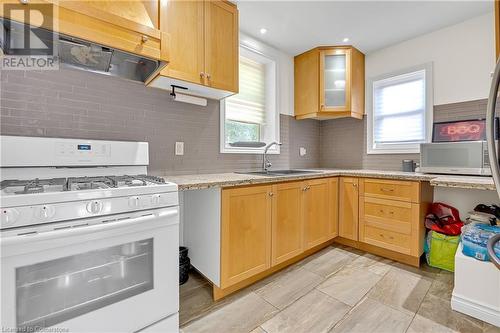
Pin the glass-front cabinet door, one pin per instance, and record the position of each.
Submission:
(335, 79)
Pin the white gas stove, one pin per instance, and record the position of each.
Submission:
(89, 241)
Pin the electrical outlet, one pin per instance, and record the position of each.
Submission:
(302, 151)
(179, 148)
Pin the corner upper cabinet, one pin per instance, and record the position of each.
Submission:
(330, 83)
(204, 46)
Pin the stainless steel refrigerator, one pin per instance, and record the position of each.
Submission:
(492, 152)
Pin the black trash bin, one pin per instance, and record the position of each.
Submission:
(184, 265)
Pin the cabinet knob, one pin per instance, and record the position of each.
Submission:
(208, 76)
(202, 74)
(144, 38)
(271, 194)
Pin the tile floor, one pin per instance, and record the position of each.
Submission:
(338, 289)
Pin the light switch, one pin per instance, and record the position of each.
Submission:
(302, 151)
(179, 148)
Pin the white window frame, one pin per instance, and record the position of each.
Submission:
(401, 148)
(272, 107)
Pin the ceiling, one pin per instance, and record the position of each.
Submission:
(297, 26)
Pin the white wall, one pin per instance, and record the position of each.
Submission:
(464, 199)
(284, 69)
(463, 57)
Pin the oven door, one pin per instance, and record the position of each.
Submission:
(114, 275)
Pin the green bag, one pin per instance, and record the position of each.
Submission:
(442, 249)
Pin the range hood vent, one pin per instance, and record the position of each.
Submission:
(80, 54)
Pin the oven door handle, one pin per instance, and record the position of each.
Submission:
(155, 219)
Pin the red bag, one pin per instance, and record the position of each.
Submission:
(444, 219)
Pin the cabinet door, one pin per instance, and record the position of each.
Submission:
(288, 229)
(335, 80)
(316, 212)
(221, 45)
(348, 208)
(245, 233)
(334, 207)
(184, 21)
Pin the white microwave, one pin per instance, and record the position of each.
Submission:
(462, 158)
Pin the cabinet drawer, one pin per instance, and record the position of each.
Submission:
(390, 240)
(387, 214)
(390, 189)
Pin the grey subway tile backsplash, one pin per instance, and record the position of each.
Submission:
(68, 103)
(78, 104)
(343, 141)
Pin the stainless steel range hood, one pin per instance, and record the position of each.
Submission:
(80, 54)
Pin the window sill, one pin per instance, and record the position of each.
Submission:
(382, 151)
(232, 150)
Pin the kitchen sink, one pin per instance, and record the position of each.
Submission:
(276, 173)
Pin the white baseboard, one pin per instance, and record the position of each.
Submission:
(476, 310)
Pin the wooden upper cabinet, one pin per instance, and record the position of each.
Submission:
(348, 208)
(184, 21)
(316, 212)
(221, 45)
(204, 48)
(329, 83)
(245, 233)
(288, 228)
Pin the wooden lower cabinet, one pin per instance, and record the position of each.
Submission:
(391, 215)
(334, 207)
(348, 208)
(264, 228)
(287, 228)
(316, 212)
(245, 233)
(269, 225)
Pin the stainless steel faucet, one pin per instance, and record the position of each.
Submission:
(266, 164)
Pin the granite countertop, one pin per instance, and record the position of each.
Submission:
(230, 179)
(202, 181)
(467, 182)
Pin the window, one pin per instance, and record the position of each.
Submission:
(400, 111)
(251, 114)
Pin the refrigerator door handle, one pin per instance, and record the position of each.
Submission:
(490, 127)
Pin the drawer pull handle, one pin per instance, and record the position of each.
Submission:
(384, 189)
(144, 38)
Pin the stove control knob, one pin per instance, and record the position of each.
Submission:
(134, 202)
(44, 212)
(156, 199)
(9, 216)
(94, 207)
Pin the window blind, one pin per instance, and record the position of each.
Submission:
(248, 105)
(399, 106)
